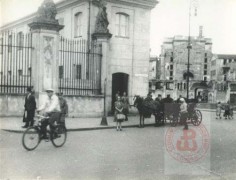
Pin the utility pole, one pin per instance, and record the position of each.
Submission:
(188, 47)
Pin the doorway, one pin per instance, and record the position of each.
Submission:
(119, 83)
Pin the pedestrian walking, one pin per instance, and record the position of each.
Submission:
(227, 111)
(120, 117)
(184, 113)
(64, 109)
(125, 101)
(218, 110)
(30, 106)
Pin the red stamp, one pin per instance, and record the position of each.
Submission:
(187, 145)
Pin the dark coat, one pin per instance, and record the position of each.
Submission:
(63, 106)
(30, 103)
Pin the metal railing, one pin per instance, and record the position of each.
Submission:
(79, 67)
(15, 62)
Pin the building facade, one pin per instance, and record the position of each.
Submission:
(223, 74)
(127, 48)
(174, 59)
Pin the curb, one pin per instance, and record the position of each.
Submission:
(85, 129)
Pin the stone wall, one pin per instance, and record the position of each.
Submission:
(90, 106)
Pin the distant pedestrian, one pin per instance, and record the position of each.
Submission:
(184, 113)
(218, 110)
(30, 106)
(64, 109)
(120, 117)
(125, 101)
(231, 112)
(227, 111)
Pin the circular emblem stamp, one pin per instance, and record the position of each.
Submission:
(187, 146)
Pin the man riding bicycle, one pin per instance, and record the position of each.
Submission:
(49, 108)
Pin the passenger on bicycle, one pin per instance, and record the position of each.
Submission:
(49, 108)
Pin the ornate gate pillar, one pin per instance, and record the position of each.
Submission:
(45, 40)
(102, 36)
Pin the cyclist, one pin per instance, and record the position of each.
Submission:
(50, 108)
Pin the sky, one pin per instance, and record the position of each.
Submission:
(168, 18)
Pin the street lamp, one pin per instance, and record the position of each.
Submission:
(188, 47)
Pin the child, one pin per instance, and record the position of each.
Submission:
(218, 110)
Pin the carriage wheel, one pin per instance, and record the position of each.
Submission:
(197, 118)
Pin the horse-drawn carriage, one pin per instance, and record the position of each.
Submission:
(165, 112)
(172, 114)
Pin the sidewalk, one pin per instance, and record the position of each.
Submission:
(13, 124)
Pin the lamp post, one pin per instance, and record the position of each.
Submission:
(104, 118)
(188, 47)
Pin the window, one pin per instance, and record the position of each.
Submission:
(205, 66)
(224, 61)
(171, 67)
(78, 25)
(61, 72)
(171, 73)
(205, 78)
(20, 40)
(205, 54)
(122, 25)
(171, 59)
(205, 60)
(10, 43)
(205, 72)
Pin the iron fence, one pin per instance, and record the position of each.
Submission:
(79, 67)
(15, 62)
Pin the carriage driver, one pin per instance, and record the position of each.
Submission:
(50, 108)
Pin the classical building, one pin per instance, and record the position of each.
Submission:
(174, 59)
(223, 74)
(101, 47)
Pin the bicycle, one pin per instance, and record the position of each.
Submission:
(34, 135)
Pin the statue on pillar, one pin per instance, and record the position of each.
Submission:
(101, 20)
(47, 11)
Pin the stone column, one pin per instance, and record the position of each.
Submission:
(103, 40)
(45, 40)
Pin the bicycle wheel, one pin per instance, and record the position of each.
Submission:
(197, 118)
(58, 136)
(31, 138)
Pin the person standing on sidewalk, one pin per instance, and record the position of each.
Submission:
(184, 113)
(30, 106)
(125, 101)
(64, 109)
(218, 110)
(119, 113)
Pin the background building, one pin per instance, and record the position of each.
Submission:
(223, 74)
(174, 58)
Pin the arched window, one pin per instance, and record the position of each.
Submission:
(78, 25)
(122, 25)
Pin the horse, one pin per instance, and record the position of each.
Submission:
(144, 110)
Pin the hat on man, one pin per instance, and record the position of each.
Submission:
(182, 99)
(49, 90)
